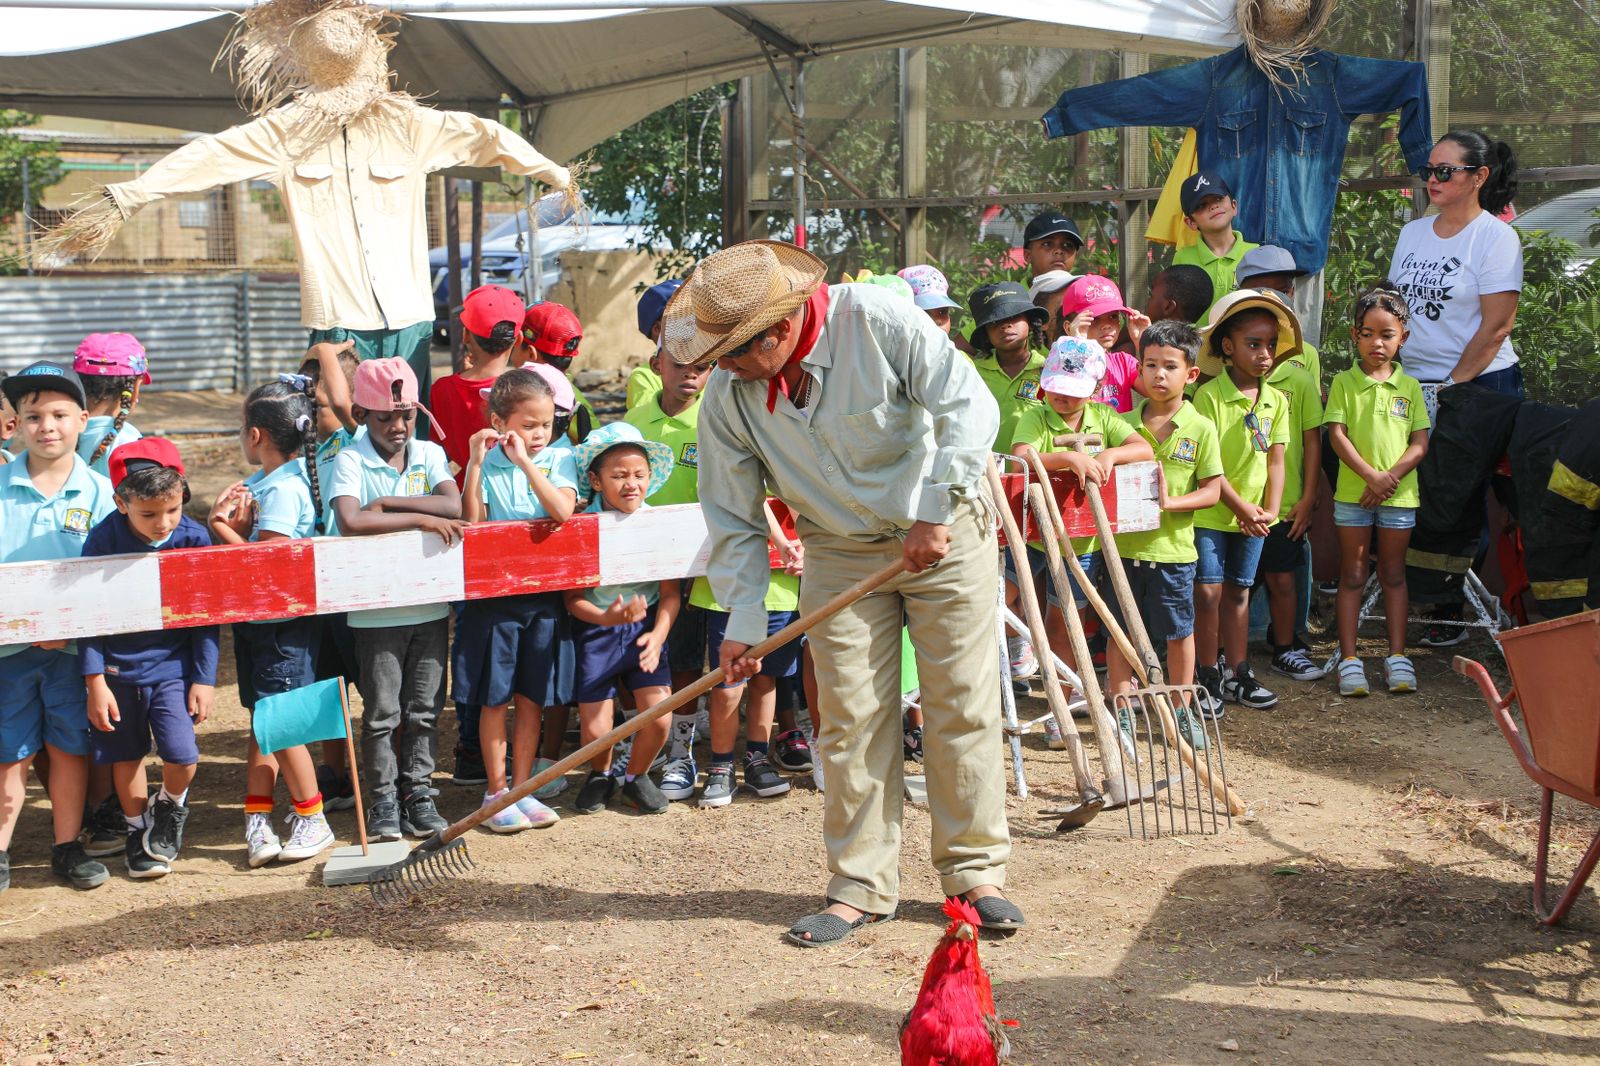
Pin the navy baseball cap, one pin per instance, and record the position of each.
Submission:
(1048, 224)
(46, 376)
(654, 302)
(1197, 187)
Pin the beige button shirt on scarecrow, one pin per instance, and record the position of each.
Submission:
(355, 204)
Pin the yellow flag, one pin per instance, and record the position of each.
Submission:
(1166, 218)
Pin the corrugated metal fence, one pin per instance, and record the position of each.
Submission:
(203, 331)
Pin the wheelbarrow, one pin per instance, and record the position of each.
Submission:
(1555, 674)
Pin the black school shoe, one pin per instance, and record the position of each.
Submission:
(383, 819)
(643, 796)
(70, 862)
(143, 866)
(164, 838)
(105, 832)
(1241, 687)
(420, 816)
(596, 793)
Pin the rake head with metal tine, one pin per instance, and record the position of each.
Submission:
(432, 862)
(1187, 805)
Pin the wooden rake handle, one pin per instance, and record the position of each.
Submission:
(680, 698)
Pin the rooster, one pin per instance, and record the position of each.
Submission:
(953, 1021)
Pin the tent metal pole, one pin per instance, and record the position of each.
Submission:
(407, 7)
(799, 107)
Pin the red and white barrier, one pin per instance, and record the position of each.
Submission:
(73, 598)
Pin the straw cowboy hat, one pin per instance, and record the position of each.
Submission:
(1279, 33)
(331, 56)
(1289, 342)
(735, 294)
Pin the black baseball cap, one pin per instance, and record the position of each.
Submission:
(43, 376)
(1047, 224)
(1197, 187)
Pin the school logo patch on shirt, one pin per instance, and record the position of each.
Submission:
(1028, 389)
(690, 456)
(330, 448)
(417, 483)
(77, 520)
(1400, 407)
(1186, 451)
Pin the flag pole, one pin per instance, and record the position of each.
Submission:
(355, 772)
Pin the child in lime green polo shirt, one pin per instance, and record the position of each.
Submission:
(1378, 426)
(1008, 335)
(1210, 209)
(1071, 375)
(1248, 333)
(1286, 552)
(1161, 562)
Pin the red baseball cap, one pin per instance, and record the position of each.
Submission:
(1094, 294)
(489, 305)
(552, 329)
(146, 453)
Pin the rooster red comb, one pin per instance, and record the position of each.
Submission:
(958, 909)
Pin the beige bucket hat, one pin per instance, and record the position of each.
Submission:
(1289, 340)
(735, 294)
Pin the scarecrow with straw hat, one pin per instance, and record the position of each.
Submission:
(856, 411)
(349, 153)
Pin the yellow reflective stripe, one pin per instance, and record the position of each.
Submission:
(1569, 486)
(1571, 588)
(1450, 564)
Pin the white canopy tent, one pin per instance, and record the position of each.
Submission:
(580, 71)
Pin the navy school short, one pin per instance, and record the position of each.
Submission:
(686, 644)
(513, 645)
(336, 651)
(1163, 593)
(275, 657)
(607, 656)
(785, 662)
(160, 711)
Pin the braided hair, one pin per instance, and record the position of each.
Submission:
(281, 410)
(98, 388)
(1385, 297)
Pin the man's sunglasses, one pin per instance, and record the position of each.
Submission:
(1443, 172)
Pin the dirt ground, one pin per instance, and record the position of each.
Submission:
(1376, 908)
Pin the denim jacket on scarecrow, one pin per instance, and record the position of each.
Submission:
(1280, 150)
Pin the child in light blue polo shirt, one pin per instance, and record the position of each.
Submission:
(386, 482)
(49, 501)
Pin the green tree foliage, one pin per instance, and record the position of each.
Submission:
(44, 170)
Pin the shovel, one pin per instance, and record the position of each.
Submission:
(1145, 663)
(1093, 800)
(444, 855)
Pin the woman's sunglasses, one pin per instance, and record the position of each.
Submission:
(1443, 172)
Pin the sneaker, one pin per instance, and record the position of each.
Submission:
(470, 771)
(510, 820)
(718, 790)
(1190, 729)
(1294, 663)
(105, 832)
(620, 756)
(5, 870)
(1400, 674)
(420, 817)
(643, 796)
(73, 863)
(1352, 677)
(677, 780)
(308, 838)
(143, 866)
(792, 753)
(538, 815)
(164, 837)
(761, 777)
(1438, 636)
(263, 842)
(383, 819)
(1024, 664)
(1329, 588)
(554, 788)
(596, 792)
(1241, 687)
(1052, 735)
(912, 743)
(1208, 679)
(338, 791)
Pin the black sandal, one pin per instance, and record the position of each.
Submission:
(829, 929)
(996, 913)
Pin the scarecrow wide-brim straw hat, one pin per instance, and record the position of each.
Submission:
(1279, 33)
(1289, 341)
(734, 295)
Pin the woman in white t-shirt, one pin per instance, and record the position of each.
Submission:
(1461, 270)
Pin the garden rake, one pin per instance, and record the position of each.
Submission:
(443, 856)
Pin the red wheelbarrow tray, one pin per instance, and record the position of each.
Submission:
(1555, 678)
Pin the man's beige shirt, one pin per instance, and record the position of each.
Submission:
(355, 205)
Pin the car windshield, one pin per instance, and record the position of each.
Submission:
(553, 212)
(1570, 217)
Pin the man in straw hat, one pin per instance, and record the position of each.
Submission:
(350, 155)
(862, 417)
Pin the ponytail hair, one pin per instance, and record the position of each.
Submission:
(98, 388)
(1478, 150)
(282, 411)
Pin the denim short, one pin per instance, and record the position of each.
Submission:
(42, 701)
(1386, 517)
(275, 657)
(1164, 595)
(1039, 563)
(161, 711)
(1226, 557)
(785, 662)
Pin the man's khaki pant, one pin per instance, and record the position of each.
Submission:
(950, 611)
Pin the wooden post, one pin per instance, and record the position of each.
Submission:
(477, 234)
(1132, 250)
(452, 244)
(913, 153)
(756, 92)
(355, 771)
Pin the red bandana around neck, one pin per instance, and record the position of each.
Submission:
(810, 330)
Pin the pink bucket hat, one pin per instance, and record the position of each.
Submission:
(388, 385)
(565, 398)
(112, 355)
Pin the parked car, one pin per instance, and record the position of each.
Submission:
(508, 249)
(1572, 218)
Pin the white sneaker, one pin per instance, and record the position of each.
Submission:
(308, 838)
(1400, 674)
(1353, 677)
(1052, 735)
(263, 842)
(1024, 664)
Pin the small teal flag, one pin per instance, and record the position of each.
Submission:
(302, 716)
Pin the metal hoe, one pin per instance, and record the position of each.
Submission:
(443, 856)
